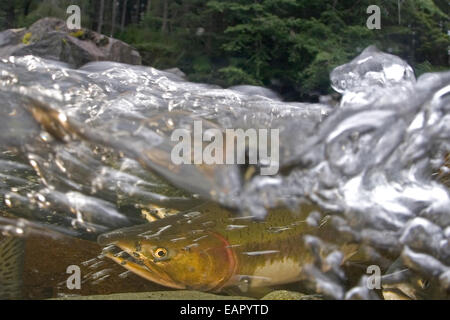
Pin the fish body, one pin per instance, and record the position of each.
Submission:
(210, 249)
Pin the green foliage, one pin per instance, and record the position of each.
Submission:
(297, 43)
(157, 50)
(44, 9)
(29, 11)
(201, 64)
(235, 76)
(426, 67)
(293, 44)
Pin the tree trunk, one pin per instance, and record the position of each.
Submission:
(10, 16)
(26, 7)
(113, 17)
(138, 11)
(165, 15)
(100, 18)
(149, 6)
(124, 14)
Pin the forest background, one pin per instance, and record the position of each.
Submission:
(288, 45)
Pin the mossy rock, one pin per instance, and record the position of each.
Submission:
(80, 34)
(27, 38)
(43, 39)
(103, 41)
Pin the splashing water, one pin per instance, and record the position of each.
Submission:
(87, 150)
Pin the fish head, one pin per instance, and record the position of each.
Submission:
(204, 262)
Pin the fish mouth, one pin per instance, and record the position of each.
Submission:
(123, 255)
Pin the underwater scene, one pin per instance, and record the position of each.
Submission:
(121, 180)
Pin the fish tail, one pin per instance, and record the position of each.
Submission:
(12, 250)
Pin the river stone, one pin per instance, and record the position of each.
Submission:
(10, 41)
(50, 38)
(157, 295)
(257, 90)
(178, 72)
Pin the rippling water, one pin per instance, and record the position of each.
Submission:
(83, 151)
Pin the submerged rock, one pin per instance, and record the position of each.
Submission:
(51, 39)
(289, 295)
(11, 40)
(190, 295)
(158, 295)
(177, 72)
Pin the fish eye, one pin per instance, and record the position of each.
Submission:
(160, 253)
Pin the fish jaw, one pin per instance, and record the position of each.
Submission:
(143, 270)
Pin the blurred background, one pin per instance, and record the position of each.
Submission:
(288, 45)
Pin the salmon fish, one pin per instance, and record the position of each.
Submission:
(209, 249)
